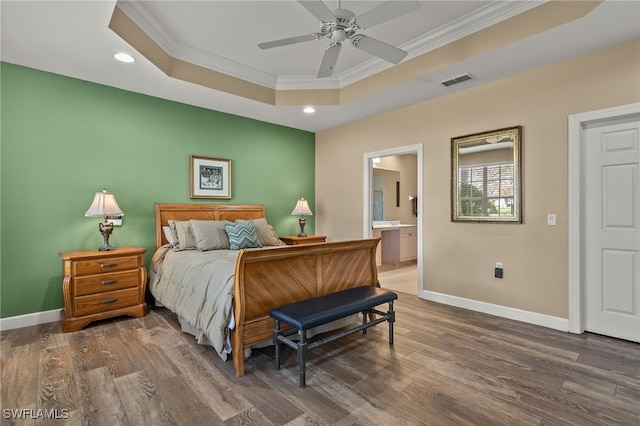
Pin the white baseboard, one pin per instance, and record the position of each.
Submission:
(27, 320)
(543, 320)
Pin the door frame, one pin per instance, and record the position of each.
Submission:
(367, 179)
(577, 138)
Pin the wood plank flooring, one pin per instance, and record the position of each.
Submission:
(448, 366)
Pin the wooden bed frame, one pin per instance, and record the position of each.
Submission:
(274, 276)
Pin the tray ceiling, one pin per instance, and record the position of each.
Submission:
(216, 42)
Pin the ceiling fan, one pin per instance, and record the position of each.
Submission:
(342, 24)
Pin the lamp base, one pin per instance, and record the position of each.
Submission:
(106, 228)
(302, 223)
(106, 247)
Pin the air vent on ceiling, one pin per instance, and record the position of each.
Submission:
(456, 80)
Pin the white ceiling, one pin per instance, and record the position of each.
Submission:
(72, 38)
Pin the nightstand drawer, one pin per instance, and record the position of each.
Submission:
(108, 301)
(103, 266)
(90, 284)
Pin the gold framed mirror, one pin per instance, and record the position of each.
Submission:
(486, 177)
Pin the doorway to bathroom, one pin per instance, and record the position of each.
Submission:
(392, 211)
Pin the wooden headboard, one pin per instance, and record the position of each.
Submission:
(231, 212)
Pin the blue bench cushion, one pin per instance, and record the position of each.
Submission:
(323, 309)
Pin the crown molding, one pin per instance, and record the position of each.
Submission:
(480, 19)
(139, 14)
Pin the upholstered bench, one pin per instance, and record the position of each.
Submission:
(323, 309)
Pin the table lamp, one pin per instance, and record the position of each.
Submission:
(104, 205)
(302, 209)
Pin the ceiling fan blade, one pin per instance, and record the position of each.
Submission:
(318, 9)
(378, 48)
(385, 12)
(287, 41)
(329, 60)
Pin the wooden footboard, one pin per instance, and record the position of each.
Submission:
(272, 277)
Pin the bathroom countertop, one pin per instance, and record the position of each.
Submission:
(388, 225)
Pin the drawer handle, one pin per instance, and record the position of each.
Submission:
(109, 282)
(107, 265)
(108, 301)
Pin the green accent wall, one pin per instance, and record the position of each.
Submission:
(64, 139)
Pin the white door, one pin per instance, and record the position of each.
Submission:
(612, 229)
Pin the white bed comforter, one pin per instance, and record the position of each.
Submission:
(198, 287)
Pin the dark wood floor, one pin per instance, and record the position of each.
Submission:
(448, 366)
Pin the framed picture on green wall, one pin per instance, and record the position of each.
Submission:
(209, 177)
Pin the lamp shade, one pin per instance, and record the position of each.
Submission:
(302, 208)
(104, 205)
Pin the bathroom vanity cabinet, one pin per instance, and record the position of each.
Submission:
(399, 244)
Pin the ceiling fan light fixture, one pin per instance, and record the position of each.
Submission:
(309, 109)
(338, 36)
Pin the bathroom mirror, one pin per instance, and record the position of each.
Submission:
(485, 176)
(386, 186)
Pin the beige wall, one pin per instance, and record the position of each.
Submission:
(458, 258)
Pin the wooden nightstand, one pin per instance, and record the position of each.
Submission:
(294, 240)
(102, 284)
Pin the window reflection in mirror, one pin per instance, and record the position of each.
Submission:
(485, 176)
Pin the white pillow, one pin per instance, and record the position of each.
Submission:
(166, 230)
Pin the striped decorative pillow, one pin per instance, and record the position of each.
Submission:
(241, 235)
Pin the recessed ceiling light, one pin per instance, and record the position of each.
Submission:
(309, 109)
(124, 57)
